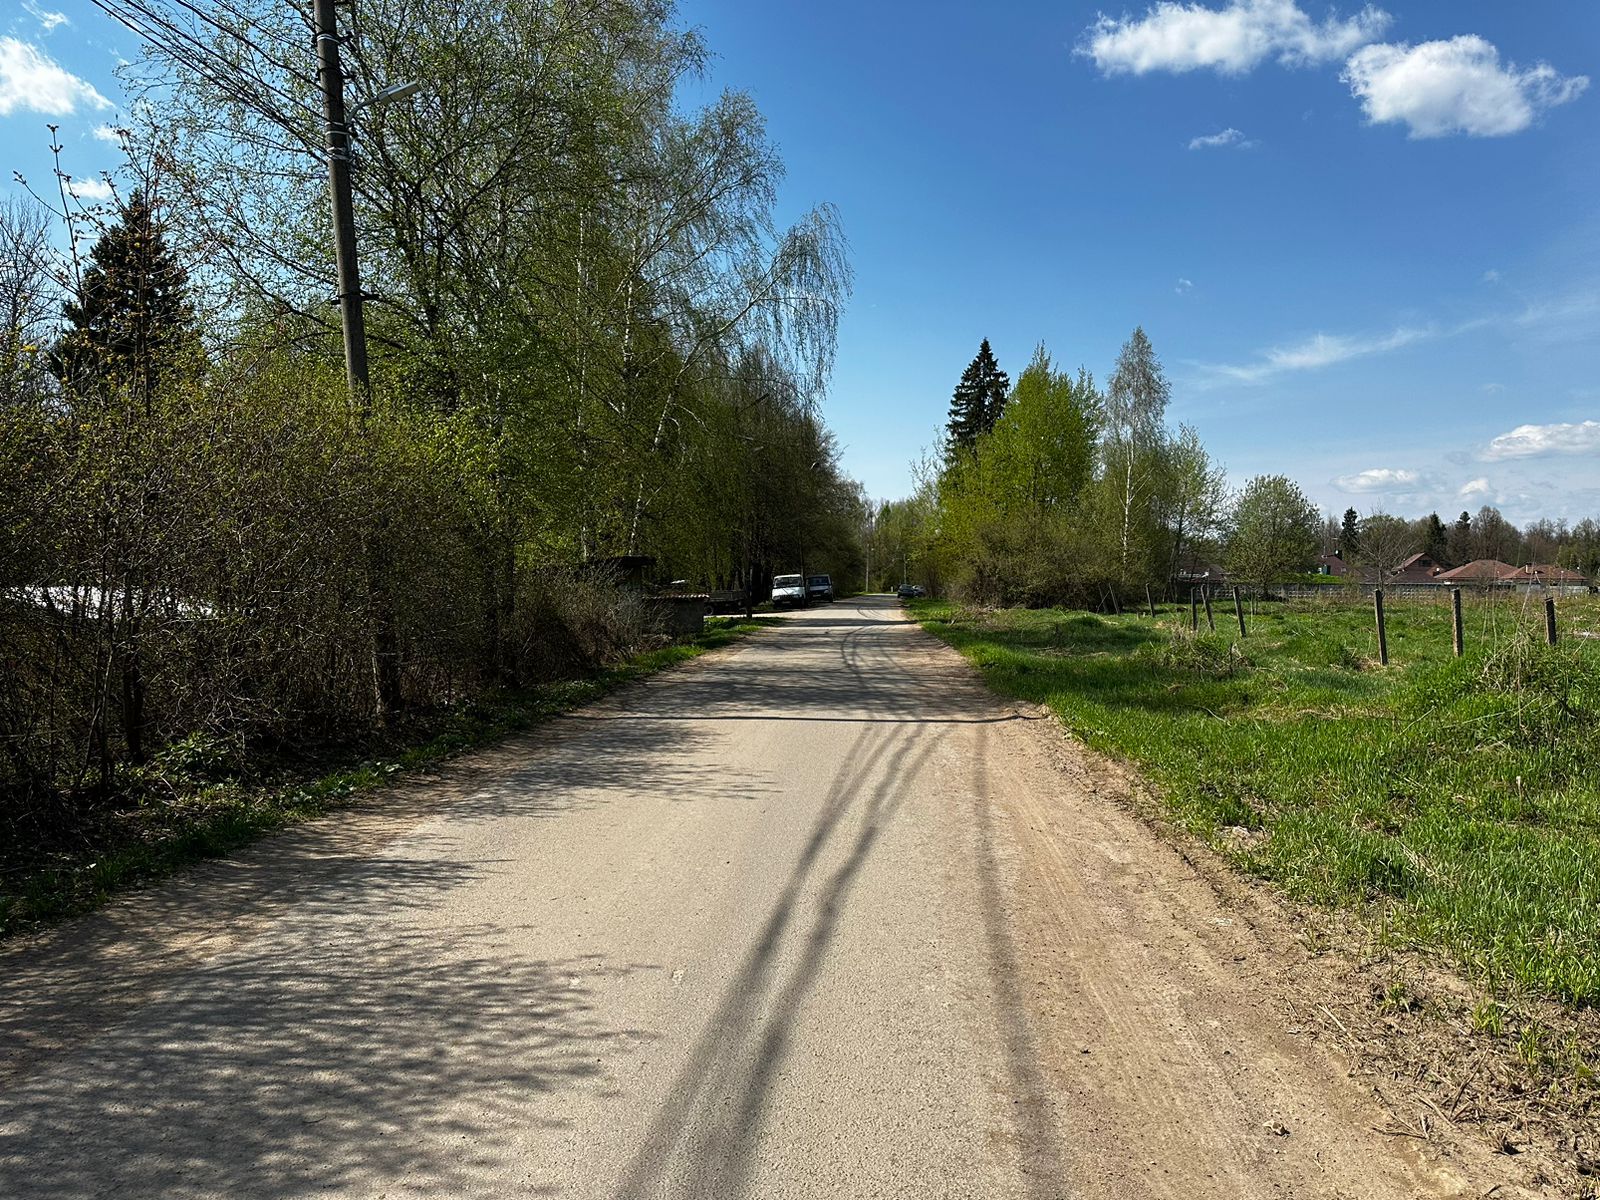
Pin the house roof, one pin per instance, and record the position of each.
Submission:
(1550, 573)
(1482, 570)
(1419, 568)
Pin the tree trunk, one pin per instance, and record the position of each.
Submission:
(132, 679)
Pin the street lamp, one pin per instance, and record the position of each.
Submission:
(395, 91)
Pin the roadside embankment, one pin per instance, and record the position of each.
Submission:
(1439, 818)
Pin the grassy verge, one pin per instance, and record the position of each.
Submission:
(1456, 802)
(189, 817)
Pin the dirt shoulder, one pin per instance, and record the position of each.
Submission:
(1288, 1046)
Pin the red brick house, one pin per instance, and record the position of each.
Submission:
(1332, 564)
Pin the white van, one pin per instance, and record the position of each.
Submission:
(788, 591)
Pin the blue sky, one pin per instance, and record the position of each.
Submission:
(1364, 241)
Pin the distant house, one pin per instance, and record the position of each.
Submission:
(1419, 568)
(1549, 577)
(1198, 571)
(1482, 572)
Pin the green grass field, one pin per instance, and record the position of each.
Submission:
(1458, 801)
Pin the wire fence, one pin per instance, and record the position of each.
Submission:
(1474, 614)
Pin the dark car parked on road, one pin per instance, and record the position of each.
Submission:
(819, 589)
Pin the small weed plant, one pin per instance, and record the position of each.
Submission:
(1202, 655)
(1488, 1017)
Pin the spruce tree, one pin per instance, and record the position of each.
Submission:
(978, 401)
(1436, 541)
(1460, 541)
(126, 329)
(1350, 534)
(127, 324)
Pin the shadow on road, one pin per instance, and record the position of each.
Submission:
(328, 1048)
(255, 1076)
(703, 1141)
(87, 976)
(1033, 1117)
(859, 675)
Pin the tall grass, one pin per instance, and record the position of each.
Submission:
(1460, 797)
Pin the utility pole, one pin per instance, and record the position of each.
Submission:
(331, 78)
(386, 683)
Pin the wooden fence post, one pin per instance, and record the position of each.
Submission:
(1550, 620)
(1211, 621)
(1383, 637)
(1238, 611)
(1194, 612)
(1455, 620)
(1150, 600)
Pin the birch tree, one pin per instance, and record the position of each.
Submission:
(1135, 407)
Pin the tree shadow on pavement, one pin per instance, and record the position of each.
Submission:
(870, 672)
(401, 1062)
(704, 1140)
(81, 978)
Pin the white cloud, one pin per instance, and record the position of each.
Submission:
(1556, 318)
(1379, 479)
(31, 80)
(1321, 350)
(1526, 441)
(1215, 141)
(1174, 36)
(109, 134)
(1455, 86)
(1474, 487)
(47, 20)
(91, 189)
(1184, 285)
(1491, 276)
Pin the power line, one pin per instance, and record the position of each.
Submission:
(185, 48)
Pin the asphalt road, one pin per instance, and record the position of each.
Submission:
(812, 917)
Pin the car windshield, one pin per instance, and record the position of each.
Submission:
(786, 581)
(819, 579)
